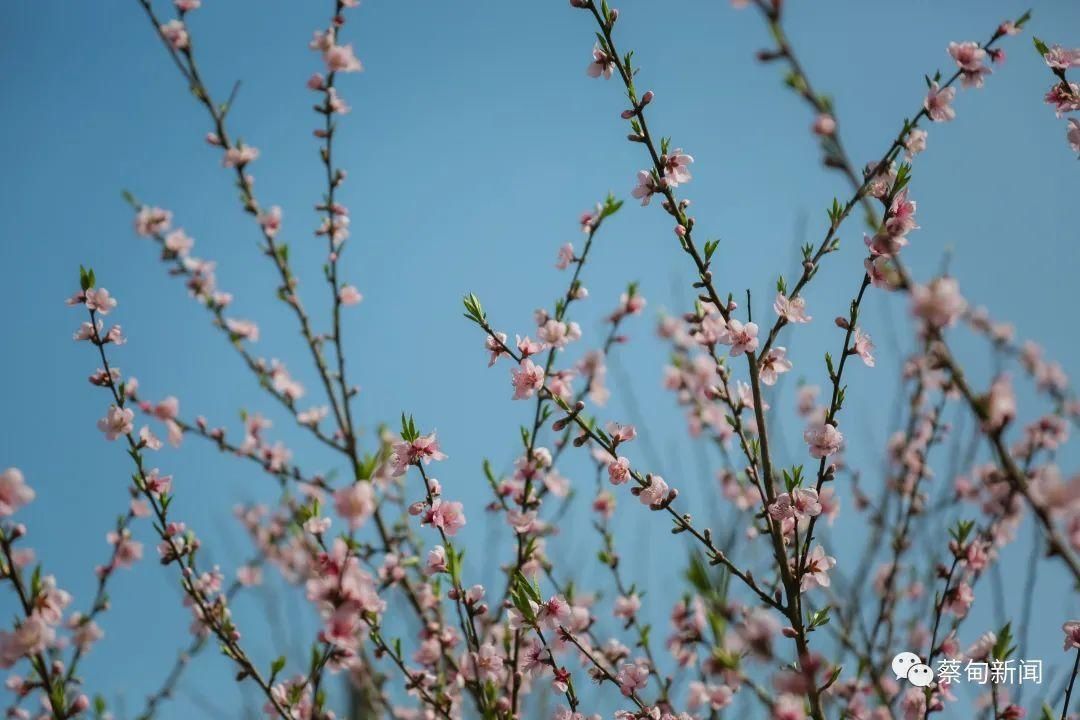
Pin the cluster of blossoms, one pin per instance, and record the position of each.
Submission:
(44, 628)
(390, 537)
(1064, 95)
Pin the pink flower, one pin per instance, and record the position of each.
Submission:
(1000, 404)
(249, 575)
(238, 157)
(938, 103)
(627, 606)
(788, 707)
(148, 439)
(317, 525)
(621, 433)
(939, 303)
(423, 449)
(959, 599)
(355, 503)
(349, 295)
(559, 334)
(270, 221)
(1008, 28)
(655, 493)
(483, 666)
(560, 680)
(321, 41)
(566, 256)
(283, 383)
(178, 242)
(312, 416)
(447, 516)
(816, 570)
(1060, 58)
(915, 143)
(864, 347)
(114, 335)
(801, 503)
(98, 299)
(555, 612)
(805, 503)
(632, 677)
(341, 58)
(436, 560)
(527, 346)
(1072, 634)
(968, 55)
(187, 5)
(158, 484)
(335, 102)
(602, 63)
(677, 167)
(824, 439)
(824, 125)
(716, 697)
(14, 492)
(1072, 134)
(791, 309)
(646, 186)
(175, 33)
(1064, 97)
(495, 346)
(901, 218)
(881, 271)
(975, 78)
(619, 471)
(527, 378)
(242, 329)
(152, 220)
(84, 633)
(773, 365)
(31, 637)
(884, 243)
(126, 552)
(117, 422)
(743, 337)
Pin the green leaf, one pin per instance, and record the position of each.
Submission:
(710, 248)
(610, 206)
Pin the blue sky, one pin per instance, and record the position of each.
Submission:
(474, 143)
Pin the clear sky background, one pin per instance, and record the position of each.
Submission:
(474, 143)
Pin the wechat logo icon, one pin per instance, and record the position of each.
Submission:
(907, 665)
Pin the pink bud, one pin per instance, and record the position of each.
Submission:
(81, 704)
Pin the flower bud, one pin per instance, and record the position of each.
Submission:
(81, 704)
